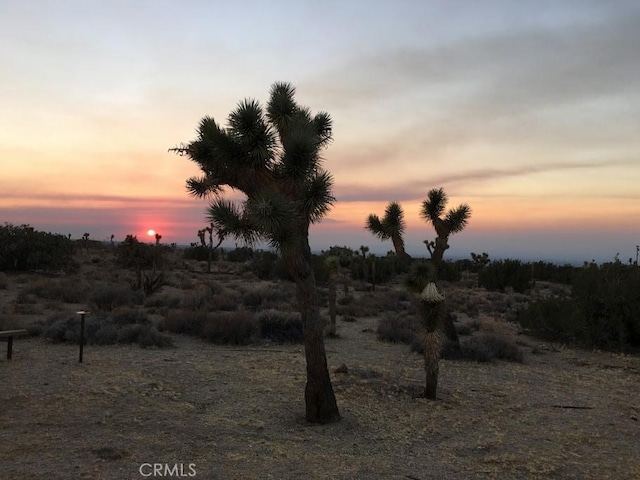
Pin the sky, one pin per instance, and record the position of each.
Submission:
(529, 111)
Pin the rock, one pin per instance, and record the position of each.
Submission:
(342, 369)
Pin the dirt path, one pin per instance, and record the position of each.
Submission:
(237, 413)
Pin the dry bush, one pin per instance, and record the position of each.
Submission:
(268, 296)
(103, 330)
(280, 327)
(230, 328)
(107, 297)
(187, 322)
(68, 290)
(397, 328)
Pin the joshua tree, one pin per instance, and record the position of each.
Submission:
(158, 237)
(423, 277)
(201, 237)
(211, 248)
(391, 227)
(454, 221)
(273, 157)
(432, 315)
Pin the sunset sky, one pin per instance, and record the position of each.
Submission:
(529, 111)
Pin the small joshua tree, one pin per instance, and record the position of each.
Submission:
(423, 277)
(391, 226)
(454, 221)
(273, 157)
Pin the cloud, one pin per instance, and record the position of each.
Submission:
(418, 188)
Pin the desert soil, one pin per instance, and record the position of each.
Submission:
(236, 413)
(225, 412)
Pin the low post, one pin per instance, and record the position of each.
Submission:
(82, 314)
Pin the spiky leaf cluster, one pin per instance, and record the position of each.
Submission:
(433, 208)
(273, 157)
(391, 224)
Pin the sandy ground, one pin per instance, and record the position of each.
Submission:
(237, 413)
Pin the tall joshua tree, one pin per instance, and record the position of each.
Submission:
(391, 226)
(273, 157)
(454, 221)
(422, 278)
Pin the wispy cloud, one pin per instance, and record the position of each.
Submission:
(418, 188)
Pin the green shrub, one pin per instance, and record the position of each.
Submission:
(603, 310)
(499, 275)
(240, 255)
(280, 327)
(200, 253)
(22, 248)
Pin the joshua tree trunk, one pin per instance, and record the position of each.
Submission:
(441, 244)
(320, 400)
(432, 346)
(398, 245)
(432, 313)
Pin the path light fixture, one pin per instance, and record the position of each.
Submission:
(82, 314)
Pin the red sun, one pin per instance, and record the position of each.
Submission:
(151, 232)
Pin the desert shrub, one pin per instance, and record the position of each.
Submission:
(106, 298)
(449, 271)
(62, 328)
(165, 301)
(9, 322)
(397, 329)
(230, 328)
(553, 319)
(22, 248)
(373, 304)
(481, 348)
(25, 297)
(345, 300)
(226, 302)
(200, 253)
(145, 260)
(268, 296)
(281, 327)
(240, 255)
(102, 330)
(378, 270)
(549, 272)
(467, 328)
(269, 266)
(185, 322)
(106, 334)
(144, 336)
(498, 347)
(500, 274)
(129, 316)
(66, 290)
(603, 310)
